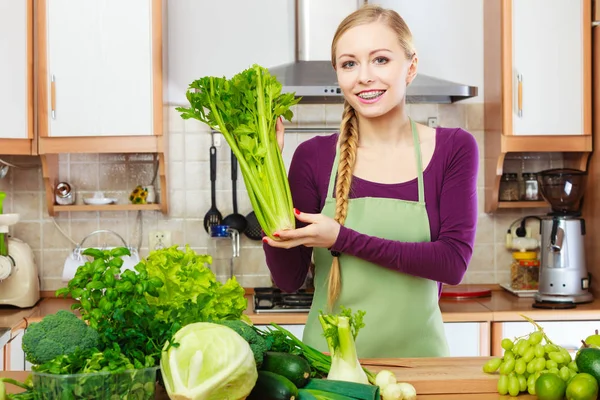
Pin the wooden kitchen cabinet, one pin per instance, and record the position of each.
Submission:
(100, 86)
(16, 77)
(468, 339)
(538, 93)
(567, 334)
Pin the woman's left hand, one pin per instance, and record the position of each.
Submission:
(321, 231)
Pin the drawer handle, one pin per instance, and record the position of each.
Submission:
(520, 95)
(53, 97)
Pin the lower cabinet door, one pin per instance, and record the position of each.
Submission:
(17, 357)
(567, 334)
(464, 339)
(296, 330)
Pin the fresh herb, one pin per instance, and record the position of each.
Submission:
(245, 110)
(115, 304)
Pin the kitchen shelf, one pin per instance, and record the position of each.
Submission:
(523, 204)
(109, 207)
(50, 175)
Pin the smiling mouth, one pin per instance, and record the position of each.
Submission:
(371, 94)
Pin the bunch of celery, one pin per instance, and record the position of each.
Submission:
(245, 110)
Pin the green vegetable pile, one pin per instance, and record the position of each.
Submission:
(245, 110)
(128, 319)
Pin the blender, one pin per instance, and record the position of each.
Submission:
(19, 279)
(563, 274)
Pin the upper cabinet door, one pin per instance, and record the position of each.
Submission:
(100, 67)
(15, 70)
(550, 71)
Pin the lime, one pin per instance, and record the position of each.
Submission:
(582, 386)
(550, 387)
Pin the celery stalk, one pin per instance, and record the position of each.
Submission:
(245, 110)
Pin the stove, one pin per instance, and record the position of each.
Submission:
(273, 300)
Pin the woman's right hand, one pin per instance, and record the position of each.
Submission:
(279, 131)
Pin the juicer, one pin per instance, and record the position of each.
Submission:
(563, 272)
(19, 278)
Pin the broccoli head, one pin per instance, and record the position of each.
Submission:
(55, 335)
(256, 342)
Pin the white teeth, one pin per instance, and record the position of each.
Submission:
(370, 95)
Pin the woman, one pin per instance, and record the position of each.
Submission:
(389, 206)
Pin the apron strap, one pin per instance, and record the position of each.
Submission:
(417, 144)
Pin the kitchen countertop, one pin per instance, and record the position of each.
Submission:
(433, 378)
(500, 307)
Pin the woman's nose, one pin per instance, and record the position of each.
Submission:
(365, 75)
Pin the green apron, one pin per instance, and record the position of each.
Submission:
(403, 318)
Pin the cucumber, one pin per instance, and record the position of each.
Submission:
(293, 367)
(272, 386)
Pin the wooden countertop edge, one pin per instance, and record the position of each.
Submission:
(486, 310)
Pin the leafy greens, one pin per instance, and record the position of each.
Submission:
(245, 110)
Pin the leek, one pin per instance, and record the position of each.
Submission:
(245, 110)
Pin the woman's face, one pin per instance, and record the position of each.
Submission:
(372, 69)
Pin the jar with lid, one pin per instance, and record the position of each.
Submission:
(509, 187)
(525, 270)
(530, 183)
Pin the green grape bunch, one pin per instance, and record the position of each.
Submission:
(527, 357)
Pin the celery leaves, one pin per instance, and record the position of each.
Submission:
(245, 110)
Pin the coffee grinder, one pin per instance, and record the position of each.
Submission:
(563, 273)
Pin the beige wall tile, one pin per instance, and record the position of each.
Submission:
(84, 177)
(29, 232)
(52, 239)
(26, 179)
(189, 196)
(475, 116)
(310, 115)
(28, 205)
(482, 259)
(485, 230)
(112, 177)
(420, 112)
(452, 115)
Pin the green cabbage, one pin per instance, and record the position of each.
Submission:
(212, 362)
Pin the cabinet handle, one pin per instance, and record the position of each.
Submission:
(520, 95)
(53, 97)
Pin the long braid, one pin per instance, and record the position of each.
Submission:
(348, 143)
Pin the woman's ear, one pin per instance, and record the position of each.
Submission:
(412, 70)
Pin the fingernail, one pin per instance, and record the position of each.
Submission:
(281, 119)
(265, 240)
(296, 211)
(276, 234)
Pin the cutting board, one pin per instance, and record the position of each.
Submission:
(439, 375)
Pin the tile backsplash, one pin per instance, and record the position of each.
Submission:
(189, 197)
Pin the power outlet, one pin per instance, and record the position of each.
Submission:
(159, 239)
(432, 122)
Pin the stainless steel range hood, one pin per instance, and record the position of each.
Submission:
(315, 80)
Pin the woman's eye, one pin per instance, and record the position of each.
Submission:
(380, 60)
(348, 64)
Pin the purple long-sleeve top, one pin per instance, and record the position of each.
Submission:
(451, 202)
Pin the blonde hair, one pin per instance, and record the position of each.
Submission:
(348, 138)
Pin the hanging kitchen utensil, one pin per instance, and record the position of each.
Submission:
(77, 259)
(213, 216)
(253, 229)
(235, 221)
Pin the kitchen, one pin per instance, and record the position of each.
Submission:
(457, 55)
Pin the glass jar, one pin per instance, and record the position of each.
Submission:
(509, 187)
(530, 192)
(525, 270)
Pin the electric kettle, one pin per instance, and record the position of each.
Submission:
(77, 258)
